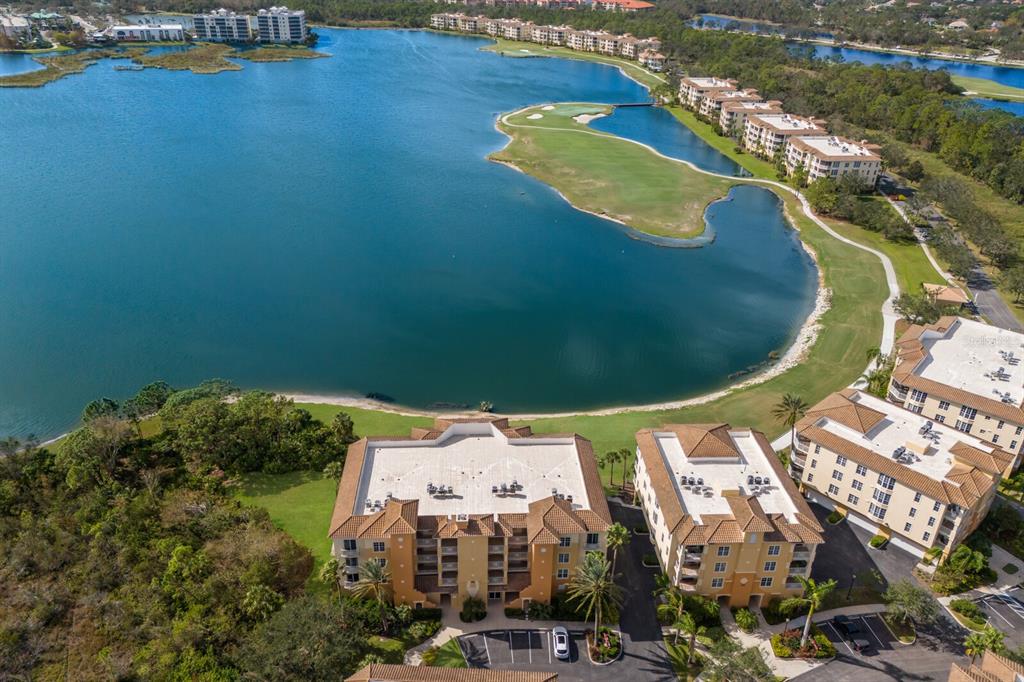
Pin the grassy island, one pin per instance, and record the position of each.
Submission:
(57, 66)
(605, 174)
(279, 53)
(983, 87)
(204, 58)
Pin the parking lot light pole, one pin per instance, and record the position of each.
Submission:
(849, 590)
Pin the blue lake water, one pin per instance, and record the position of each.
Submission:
(333, 226)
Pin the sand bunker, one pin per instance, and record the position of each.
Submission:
(547, 108)
(534, 117)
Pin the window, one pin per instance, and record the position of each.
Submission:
(833, 489)
(720, 567)
(913, 512)
(351, 577)
(1001, 424)
(906, 527)
(378, 546)
(917, 395)
(937, 506)
(963, 426)
(941, 418)
(995, 439)
(887, 482)
(1013, 445)
(817, 449)
(814, 464)
(716, 583)
(348, 545)
(840, 460)
(564, 542)
(857, 485)
(1018, 431)
(943, 405)
(766, 581)
(926, 536)
(880, 497)
(494, 595)
(593, 538)
(917, 497)
(723, 550)
(381, 561)
(563, 558)
(810, 477)
(915, 408)
(931, 521)
(861, 470)
(769, 567)
(968, 412)
(774, 550)
(838, 475)
(352, 561)
(562, 573)
(877, 512)
(852, 499)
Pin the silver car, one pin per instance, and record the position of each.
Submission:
(560, 637)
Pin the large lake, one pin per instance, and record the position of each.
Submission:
(333, 226)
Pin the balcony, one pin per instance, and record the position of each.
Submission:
(448, 551)
(450, 566)
(793, 585)
(496, 564)
(425, 543)
(688, 587)
(422, 569)
(689, 571)
(948, 525)
(518, 556)
(449, 582)
(691, 558)
(518, 566)
(801, 554)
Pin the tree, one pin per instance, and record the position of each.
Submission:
(593, 587)
(1013, 280)
(812, 598)
(789, 411)
(688, 625)
(375, 583)
(308, 639)
(907, 602)
(611, 458)
(344, 428)
(625, 456)
(988, 639)
(822, 195)
(334, 470)
(618, 536)
(730, 662)
(260, 602)
(101, 407)
(914, 171)
(921, 308)
(148, 400)
(330, 574)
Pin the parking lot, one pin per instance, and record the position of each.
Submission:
(873, 630)
(1006, 612)
(531, 649)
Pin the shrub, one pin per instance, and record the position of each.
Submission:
(641, 530)
(746, 620)
(511, 612)
(787, 645)
(430, 656)
(877, 541)
(966, 607)
(422, 630)
(773, 612)
(426, 614)
(1010, 569)
(834, 518)
(650, 559)
(473, 609)
(604, 645)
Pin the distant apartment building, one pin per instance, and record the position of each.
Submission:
(609, 43)
(622, 5)
(710, 105)
(691, 90)
(222, 26)
(15, 28)
(148, 33)
(652, 59)
(964, 374)
(991, 667)
(470, 508)
(919, 482)
(281, 25)
(829, 156)
(726, 520)
(733, 116)
(766, 134)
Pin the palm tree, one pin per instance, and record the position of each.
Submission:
(813, 597)
(689, 626)
(625, 454)
(618, 535)
(675, 602)
(988, 639)
(610, 458)
(592, 586)
(329, 574)
(374, 583)
(789, 411)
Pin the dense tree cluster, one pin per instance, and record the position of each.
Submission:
(126, 557)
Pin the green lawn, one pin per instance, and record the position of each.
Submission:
(984, 87)
(908, 258)
(606, 174)
(727, 146)
(512, 48)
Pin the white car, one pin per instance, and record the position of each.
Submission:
(560, 637)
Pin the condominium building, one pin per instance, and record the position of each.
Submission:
(691, 90)
(609, 43)
(991, 668)
(470, 508)
(281, 25)
(148, 33)
(733, 116)
(15, 28)
(710, 104)
(652, 59)
(965, 374)
(222, 26)
(622, 5)
(726, 520)
(919, 482)
(766, 134)
(828, 156)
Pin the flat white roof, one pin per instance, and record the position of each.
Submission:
(787, 122)
(926, 453)
(836, 146)
(715, 474)
(710, 82)
(147, 27)
(13, 21)
(471, 458)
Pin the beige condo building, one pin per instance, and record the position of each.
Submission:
(726, 520)
(470, 508)
(766, 134)
(829, 156)
(733, 115)
(921, 483)
(691, 90)
(710, 105)
(964, 374)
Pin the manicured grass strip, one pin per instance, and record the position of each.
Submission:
(390, 650)
(368, 422)
(512, 48)
(983, 87)
(606, 174)
(908, 258)
(759, 168)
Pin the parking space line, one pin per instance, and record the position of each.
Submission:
(529, 644)
(991, 607)
(511, 649)
(1012, 604)
(872, 631)
(487, 650)
(841, 638)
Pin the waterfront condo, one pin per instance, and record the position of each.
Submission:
(222, 26)
(148, 32)
(691, 90)
(281, 25)
(733, 115)
(710, 105)
(921, 483)
(470, 508)
(964, 374)
(766, 134)
(726, 520)
(828, 156)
